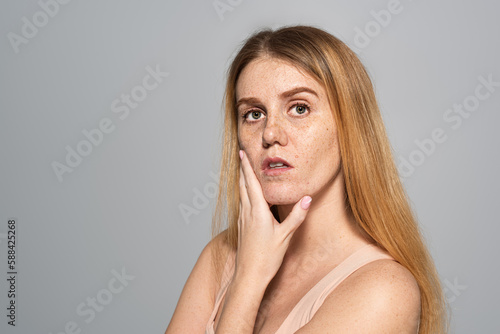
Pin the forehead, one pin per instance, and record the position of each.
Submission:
(270, 76)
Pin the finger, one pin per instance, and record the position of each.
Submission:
(239, 226)
(296, 217)
(254, 188)
(244, 200)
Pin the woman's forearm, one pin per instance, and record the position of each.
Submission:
(241, 306)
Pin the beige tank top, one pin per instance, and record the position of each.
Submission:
(305, 309)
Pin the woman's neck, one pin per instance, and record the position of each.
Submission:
(329, 228)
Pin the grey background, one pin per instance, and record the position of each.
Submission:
(121, 207)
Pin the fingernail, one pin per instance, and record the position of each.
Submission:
(306, 202)
(241, 154)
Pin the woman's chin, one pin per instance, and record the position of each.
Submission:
(281, 198)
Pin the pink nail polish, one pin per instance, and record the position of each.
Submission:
(306, 202)
(241, 154)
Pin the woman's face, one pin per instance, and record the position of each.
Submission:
(286, 128)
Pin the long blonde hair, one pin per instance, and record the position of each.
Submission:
(375, 194)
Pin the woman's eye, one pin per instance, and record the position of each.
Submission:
(300, 108)
(253, 115)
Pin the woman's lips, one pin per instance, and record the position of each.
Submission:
(275, 166)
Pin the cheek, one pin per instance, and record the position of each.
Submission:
(248, 142)
(248, 136)
(322, 159)
(241, 137)
(331, 148)
(322, 144)
(329, 136)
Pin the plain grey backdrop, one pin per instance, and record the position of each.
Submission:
(108, 162)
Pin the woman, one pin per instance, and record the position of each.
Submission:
(320, 237)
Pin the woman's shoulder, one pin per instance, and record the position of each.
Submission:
(198, 296)
(221, 243)
(220, 246)
(218, 254)
(381, 296)
(383, 279)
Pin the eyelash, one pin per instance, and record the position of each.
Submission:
(299, 104)
(302, 104)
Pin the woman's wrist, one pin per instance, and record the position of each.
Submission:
(241, 305)
(251, 279)
(247, 289)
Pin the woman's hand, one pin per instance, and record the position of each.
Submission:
(262, 241)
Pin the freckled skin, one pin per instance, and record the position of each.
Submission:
(308, 140)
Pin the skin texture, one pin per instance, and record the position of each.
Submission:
(278, 118)
(298, 128)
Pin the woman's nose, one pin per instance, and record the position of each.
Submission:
(274, 133)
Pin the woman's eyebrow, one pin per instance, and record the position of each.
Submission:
(247, 100)
(287, 94)
(298, 90)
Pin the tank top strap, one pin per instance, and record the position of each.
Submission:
(227, 275)
(305, 309)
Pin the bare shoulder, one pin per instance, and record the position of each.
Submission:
(380, 297)
(212, 258)
(198, 295)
